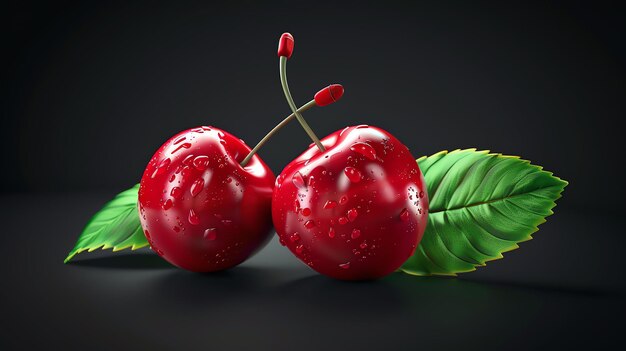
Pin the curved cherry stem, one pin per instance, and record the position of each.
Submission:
(292, 104)
(271, 133)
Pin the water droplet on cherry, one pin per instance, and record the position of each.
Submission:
(201, 162)
(342, 220)
(196, 187)
(294, 237)
(299, 249)
(186, 172)
(355, 233)
(210, 234)
(187, 161)
(309, 224)
(166, 162)
(343, 200)
(162, 167)
(330, 204)
(176, 192)
(306, 212)
(344, 265)
(404, 215)
(193, 217)
(167, 204)
(331, 232)
(298, 180)
(353, 174)
(181, 146)
(364, 149)
(352, 214)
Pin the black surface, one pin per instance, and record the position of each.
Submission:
(563, 289)
(91, 89)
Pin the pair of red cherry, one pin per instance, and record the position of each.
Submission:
(352, 206)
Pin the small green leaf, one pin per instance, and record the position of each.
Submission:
(481, 205)
(115, 226)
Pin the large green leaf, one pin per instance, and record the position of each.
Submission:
(481, 205)
(115, 226)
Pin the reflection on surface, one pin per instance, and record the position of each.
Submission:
(274, 300)
(144, 260)
(307, 283)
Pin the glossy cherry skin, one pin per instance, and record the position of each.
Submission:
(356, 211)
(200, 210)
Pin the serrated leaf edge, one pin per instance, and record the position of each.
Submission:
(103, 247)
(516, 244)
(115, 248)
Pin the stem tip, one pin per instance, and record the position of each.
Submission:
(328, 95)
(285, 45)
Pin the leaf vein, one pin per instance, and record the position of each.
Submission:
(531, 193)
(445, 175)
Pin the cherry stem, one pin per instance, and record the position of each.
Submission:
(292, 104)
(271, 133)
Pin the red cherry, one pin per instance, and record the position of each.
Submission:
(367, 206)
(203, 210)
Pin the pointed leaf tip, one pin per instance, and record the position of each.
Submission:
(481, 205)
(115, 226)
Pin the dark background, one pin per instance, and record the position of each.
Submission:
(91, 90)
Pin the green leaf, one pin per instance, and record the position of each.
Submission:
(115, 226)
(481, 205)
